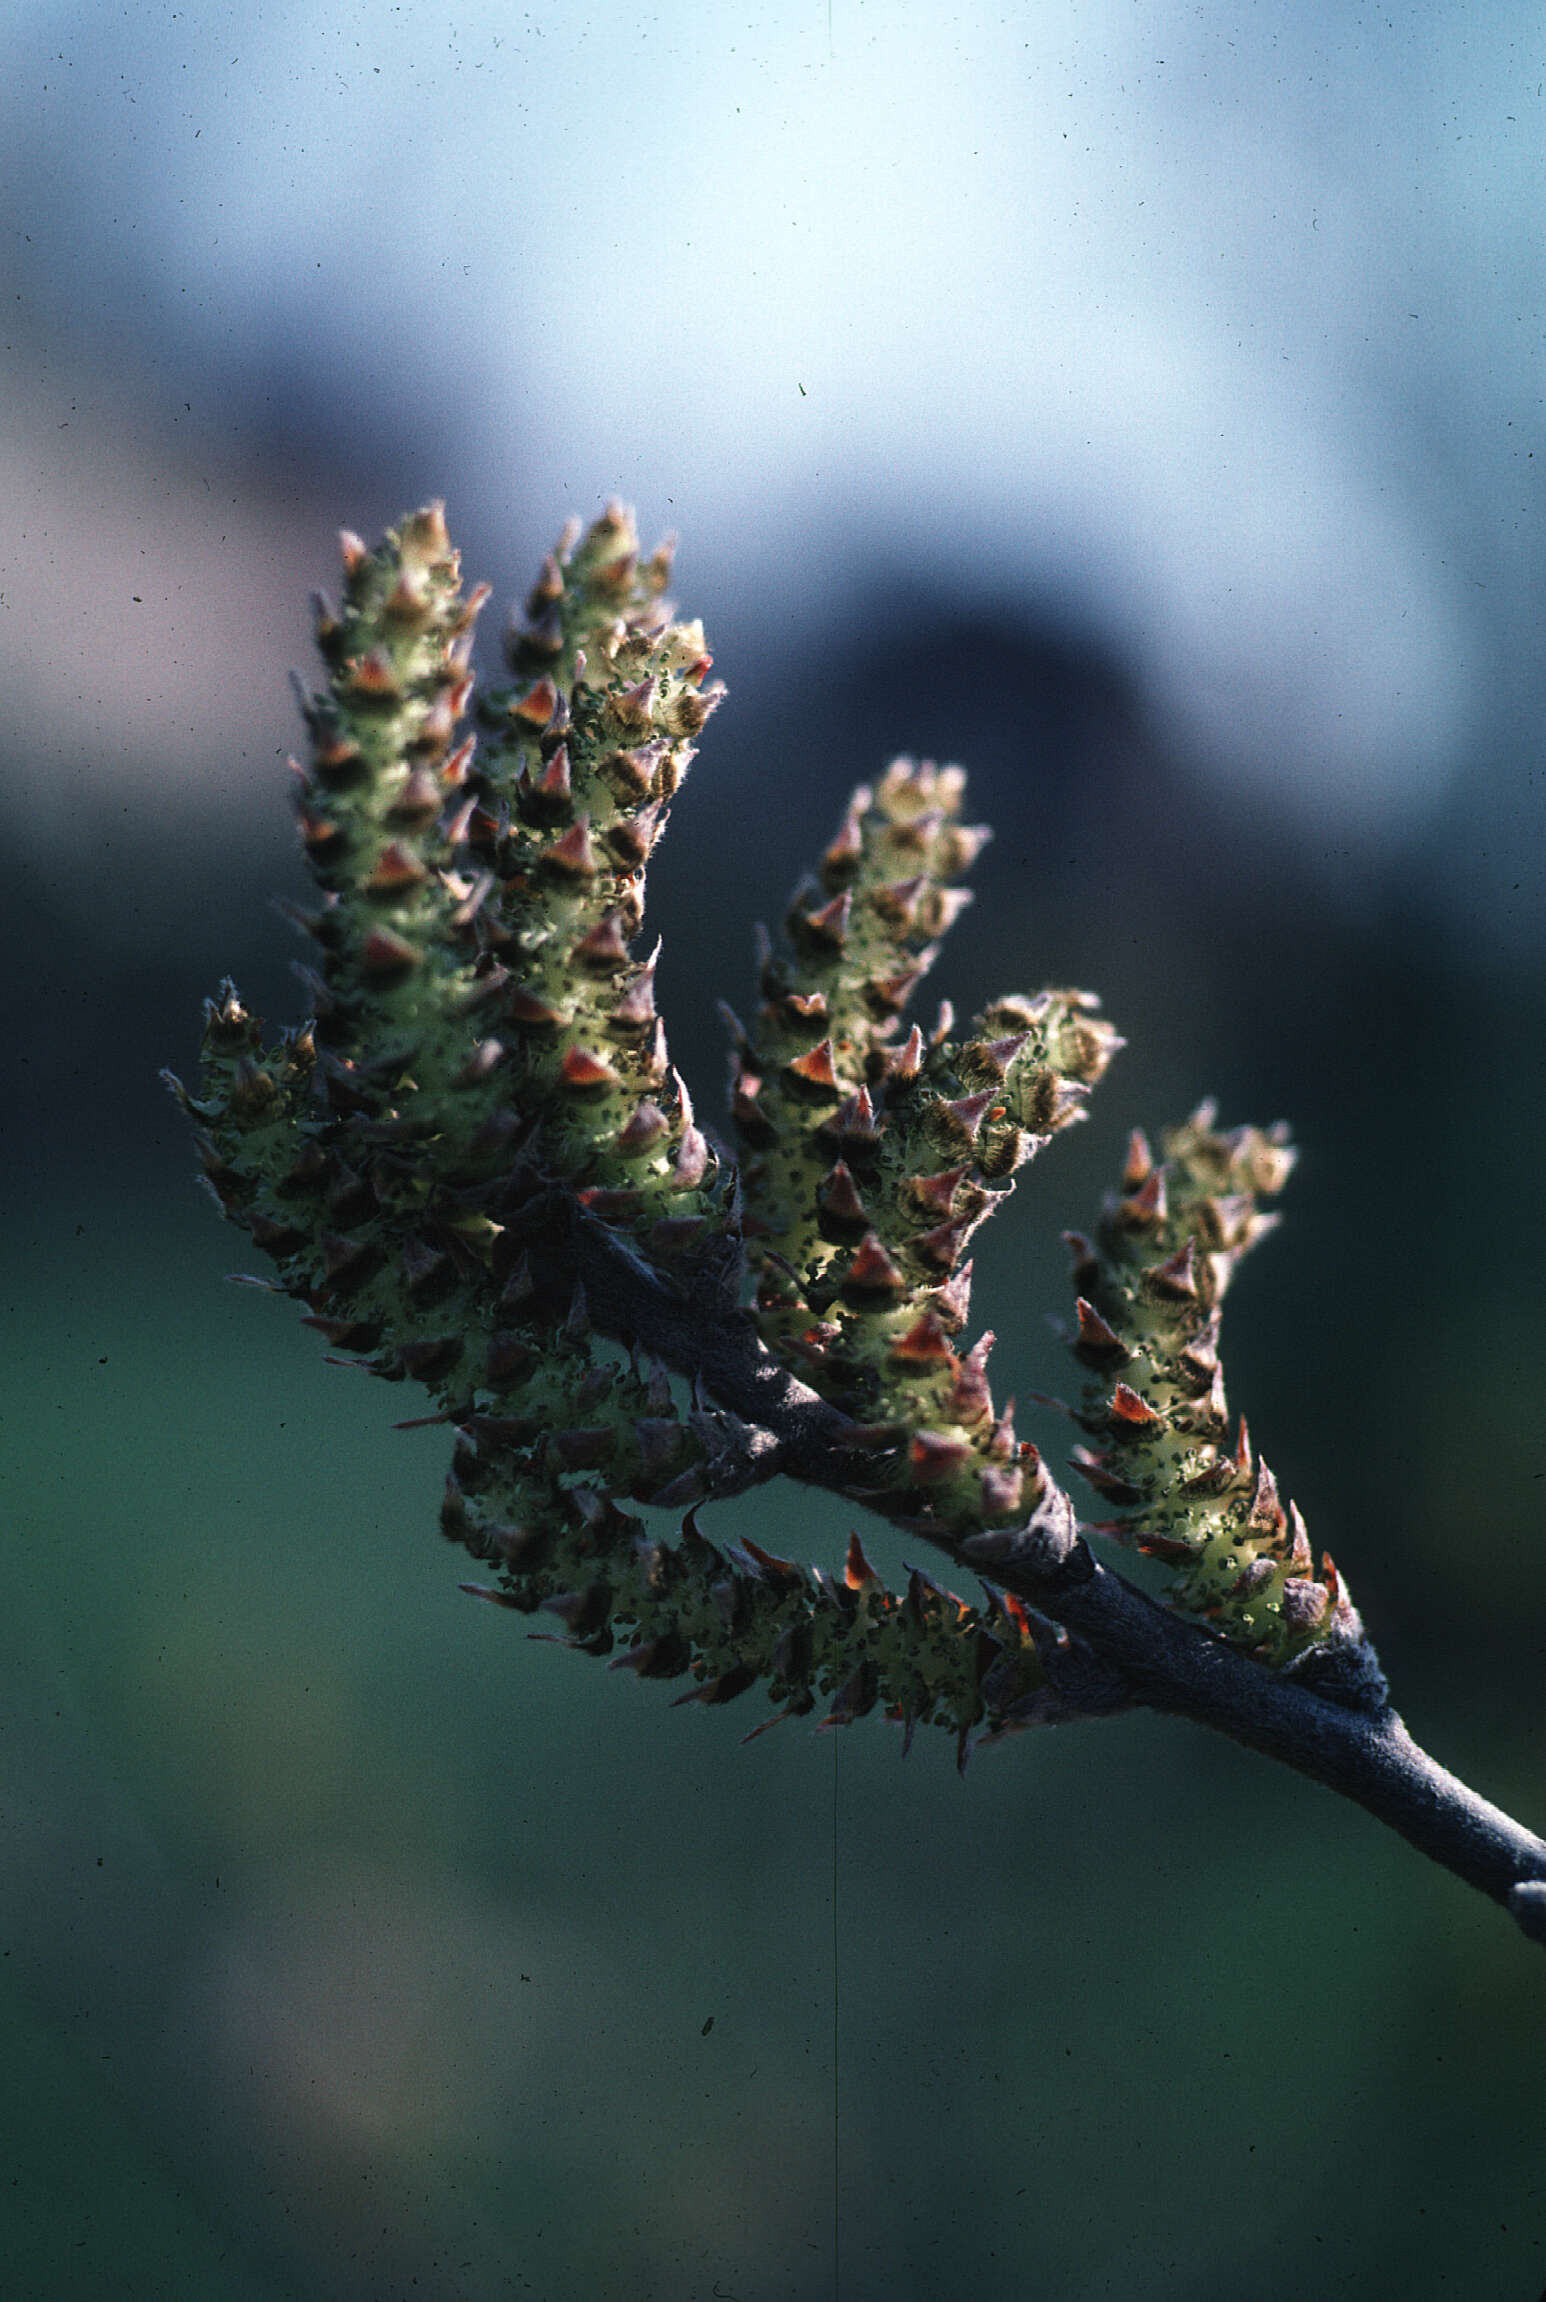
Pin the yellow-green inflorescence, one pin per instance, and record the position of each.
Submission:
(580, 762)
(871, 1156)
(483, 1080)
(1151, 1285)
(734, 1616)
(481, 1034)
(480, 1029)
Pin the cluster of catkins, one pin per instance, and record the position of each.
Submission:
(483, 1068)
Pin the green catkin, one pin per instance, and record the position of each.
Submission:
(580, 761)
(467, 986)
(871, 1159)
(1151, 1288)
(483, 1070)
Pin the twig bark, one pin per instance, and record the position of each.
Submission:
(1369, 1757)
(1125, 1648)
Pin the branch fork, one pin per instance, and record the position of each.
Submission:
(476, 1167)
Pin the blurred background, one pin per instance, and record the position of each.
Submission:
(1141, 404)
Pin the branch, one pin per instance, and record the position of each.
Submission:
(1367, 1756)
(476, 1167)
(1127, 1649)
